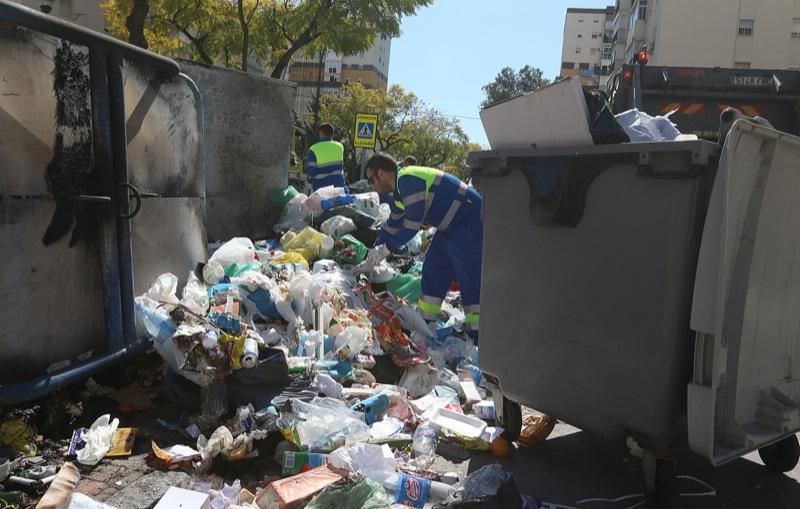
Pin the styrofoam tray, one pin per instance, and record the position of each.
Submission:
(460, 424)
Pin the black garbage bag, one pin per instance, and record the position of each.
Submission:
(362, 220)
(259, 385)
(603, 126)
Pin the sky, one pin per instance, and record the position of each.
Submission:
(449, 50)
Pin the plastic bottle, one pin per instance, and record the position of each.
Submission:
(349, 342)
(374, 408)
(415, 491)
(426, 440)
(350, 251)
(159, 327)
(338, 201)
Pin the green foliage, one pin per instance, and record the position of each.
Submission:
(406, 126)
(508, 84)
(270, 32)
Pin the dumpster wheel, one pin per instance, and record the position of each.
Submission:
(781, 456)
(512, 420)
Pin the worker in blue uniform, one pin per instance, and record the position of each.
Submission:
(429, 196)
(325, 163)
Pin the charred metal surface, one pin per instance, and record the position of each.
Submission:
(68, 173)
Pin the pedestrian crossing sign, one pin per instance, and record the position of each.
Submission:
(365, 130)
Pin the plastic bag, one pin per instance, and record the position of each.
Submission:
(295, 215)
(308, 243)
(195, 296)
(349, 251)
(368, 203)
(350, 342)
(281, 197)
(236, 250)
(384, 211)
(382, 273)
(338, 226)
(291, 257)
(358, 491)
(374, 461)
(602, 125)
(164, 291)
(98, 440)
(641, 127)
(325, 428)
(419, 380)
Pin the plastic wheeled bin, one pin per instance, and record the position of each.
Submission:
(589, 298)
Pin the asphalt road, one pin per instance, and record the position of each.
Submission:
(572, 466)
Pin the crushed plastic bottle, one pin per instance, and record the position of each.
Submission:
(426, 439)
(415, 491)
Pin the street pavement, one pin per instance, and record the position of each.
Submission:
(573, 466)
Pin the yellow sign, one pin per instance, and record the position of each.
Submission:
(365, 130)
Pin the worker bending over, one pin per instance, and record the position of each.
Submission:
(429, 196)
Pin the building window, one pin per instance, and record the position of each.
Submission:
(584, 66)
(580, 36)
(568, 65)
(595, 35)
(332, 69)
(580, 20)
(796, 28)
(597, 21)
(741, 65)
(333, 79)
(577, 51)
(746, 26)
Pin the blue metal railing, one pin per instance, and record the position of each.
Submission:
(117, 195)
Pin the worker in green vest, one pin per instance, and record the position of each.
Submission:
(325, 164)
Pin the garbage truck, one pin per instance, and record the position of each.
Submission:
(648, 292)
(695, 97)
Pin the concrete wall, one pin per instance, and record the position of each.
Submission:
(578, 46)
(52, 296)
(248, 130)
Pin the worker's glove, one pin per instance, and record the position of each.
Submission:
(375, 256)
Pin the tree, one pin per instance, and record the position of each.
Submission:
(406, 126)
(270, 32)
(508, 84)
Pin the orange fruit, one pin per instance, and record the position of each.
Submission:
(501, 448)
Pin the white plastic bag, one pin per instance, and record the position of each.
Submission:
(368, 203)
(641, 127)
(236, 250)
(295, 215)
(98, 440)
(419, 380)
(374, 461)
(195, 295)
(382, 273)
(350, 342)
(337, 226)
(328, 386)
(164, 290)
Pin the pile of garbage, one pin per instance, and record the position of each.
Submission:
(285, 343)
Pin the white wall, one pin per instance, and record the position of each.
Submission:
(705, 34)
(573, 27)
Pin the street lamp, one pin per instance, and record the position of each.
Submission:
(46, 6)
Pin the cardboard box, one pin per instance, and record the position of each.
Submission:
(293, 491)
(553, 116)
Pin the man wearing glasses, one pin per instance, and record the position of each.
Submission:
(429, 196)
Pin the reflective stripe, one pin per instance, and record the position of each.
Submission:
(470, 327)
(396, 216)
(414, 198)
(426, 307)
(431, 300)
(472, 318)
(391, 231)
(451, 213)
(475, 308)
(329, 165)
(412, 225)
